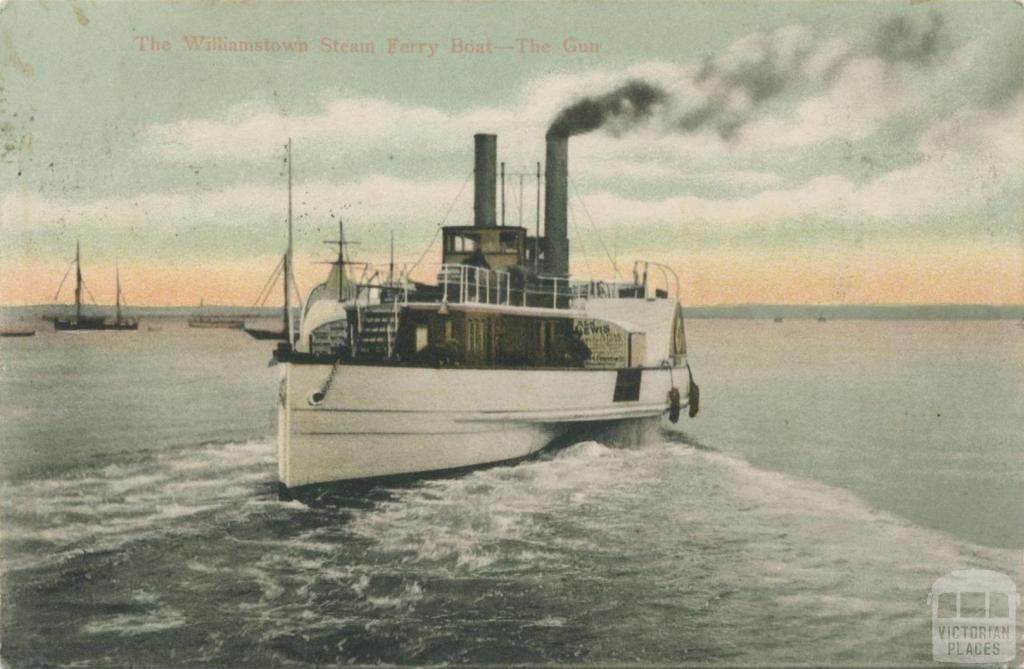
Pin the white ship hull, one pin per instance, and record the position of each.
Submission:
(378, 421)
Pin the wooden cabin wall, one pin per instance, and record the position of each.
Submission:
(488, 339)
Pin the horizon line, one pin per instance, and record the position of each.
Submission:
(685, 306)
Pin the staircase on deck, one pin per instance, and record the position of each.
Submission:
(377, 330)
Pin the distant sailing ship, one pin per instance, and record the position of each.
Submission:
(204, 320)
(81, 321)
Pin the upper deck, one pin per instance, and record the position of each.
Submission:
(461, 284)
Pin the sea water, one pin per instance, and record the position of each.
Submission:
(834, 472)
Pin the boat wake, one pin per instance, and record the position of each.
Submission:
(95, 510)
(556, 559)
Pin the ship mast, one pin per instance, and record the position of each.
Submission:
(78, 281)
(536, 234)
(341, 259)
(391, 262)
(288, 254)
(117, 279)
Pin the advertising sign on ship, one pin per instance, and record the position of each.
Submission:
(608, 343)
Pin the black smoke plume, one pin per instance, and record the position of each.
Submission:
(728, 92)
(619, 110)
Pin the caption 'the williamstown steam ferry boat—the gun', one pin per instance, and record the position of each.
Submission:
(502, 356)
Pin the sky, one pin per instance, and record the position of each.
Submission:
(786, 152)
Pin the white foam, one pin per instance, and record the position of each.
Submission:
(159, 620)
(126, 502)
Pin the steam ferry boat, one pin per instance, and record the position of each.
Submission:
(503, 355)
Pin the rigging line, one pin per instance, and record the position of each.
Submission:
(61, 286)
(258, 302)
(579, 236)
(268, 284)
(89, 293)
(615, 265)
(278, 273)
(265, 293)
(271, 280)
(441, 224)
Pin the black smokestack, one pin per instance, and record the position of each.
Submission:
(485, 179)
(619, 110)
(556, 199)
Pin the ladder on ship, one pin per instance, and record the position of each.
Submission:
(377, 330)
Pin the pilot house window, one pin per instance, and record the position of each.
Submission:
(462, 243)
(509, 242)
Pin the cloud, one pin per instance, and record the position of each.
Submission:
(963, 162)
(733, 89)
(371, 200)
(900, 39)
(768, 91)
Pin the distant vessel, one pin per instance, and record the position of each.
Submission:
(285, 267)
(821, 319)
(204, 320)
(778, 319)
(501, 356)
(17, 333)
(82, 321)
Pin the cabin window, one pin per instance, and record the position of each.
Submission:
(627, 385)
(421, 337)
(549, 342)
(509, 242)
(463, 243)
(473, 336)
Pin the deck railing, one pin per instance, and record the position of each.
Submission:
(466, 284)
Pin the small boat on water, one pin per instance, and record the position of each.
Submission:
(778, 319)
(17, 333)
(821, 319)
(82, 321)
(204, 320)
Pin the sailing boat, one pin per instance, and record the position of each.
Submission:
(82, 321)
(282, 334)
(286, 270)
